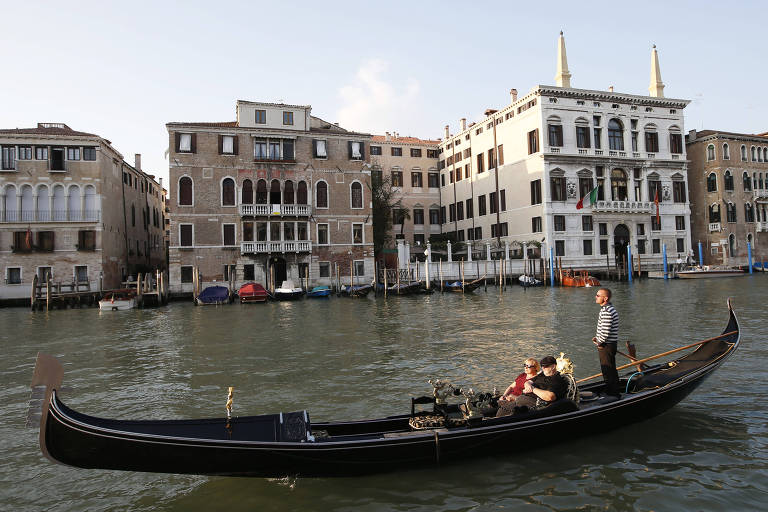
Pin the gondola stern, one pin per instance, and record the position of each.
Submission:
(46, 378)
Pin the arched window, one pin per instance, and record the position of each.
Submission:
(27, 203)
(760, 180)
(749, 213)
(618, 185)
(714, 213)
(710, 152)
(743, 153)
(728, 181)
(11, 205)
(43, 203)
(301, 193)
(261, 192)
(759, 155)
(357, 194)
(747, 182)
(246, 194)
(274, 192)
(228, 192)
(731, 245)
(730, 212)
(322, 194)
(185, 191)
(288, 192)
(73, 203)
(765, 154)
(91, 209)
(59, 203)
(615, 135)
(754, 154)
(726, 152)
(712, 182)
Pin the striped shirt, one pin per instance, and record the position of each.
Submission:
(608, 325)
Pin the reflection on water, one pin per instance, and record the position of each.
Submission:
(343, 358)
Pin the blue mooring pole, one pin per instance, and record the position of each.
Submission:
(551, 266)
(701, 256)
(629, 262)
(749, 256)
(664, 255)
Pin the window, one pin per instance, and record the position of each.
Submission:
(45, 241)
(536, 224)
(301, 231)
(585, 186)
(397, 151)
(559, 222)
(13, 275)
(227, 145)
(432, 153)
(730, 211)
(442, 215)
(322, 194)
(434, 216)
(451, 212)
(89, 154)
(710, 152)
(680, 245)
(559, 247)
(615, 135)
(356, 150)
(397, 178)
(655, 223)
(248, 231)
(287, 118)
(375, 150)
(557, 186)
(619, 185)
(44, 274)
(322, 234)
(678, 191)
(641, 230)
(260, 116)
(603, 246)
(498, 230)
(470, 208)
(582, 136)
(726, 152)
(654, 190)
(249, 272)
(714, 213)
(73, 153)
(460, 211)
(602, 228)
(491, 159)
(288, 232)
(493, 202)
(86, 240)
(749, 213)
(133, 215)
(416, 153)
(229, 234)
(185, 235)
(752, 150)
(260, 149)
(481, 205)
(480, 163)
(587, 247)
(747, 182)
(442, 180)
(712, 182)
(536, 192)
(357, 194)
(357, 233)
(187, 274)
(656, 245)
(641, 246)
(228, 192)
(41, 153)
(418, 216)
(586, 223)
(185, 142)
(598, 137)
(533, 142)
(728, 181)
(651, 142)
(432, 180)
(501, 157)
(680, 222)
(503, 199)
(416, 179)
(478, 233)
(324, 269)
(555, 135)
(743, 153)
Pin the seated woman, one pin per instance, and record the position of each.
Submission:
(507, 399)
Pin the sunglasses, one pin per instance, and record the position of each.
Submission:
(529, 366)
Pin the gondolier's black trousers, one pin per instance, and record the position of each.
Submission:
(607, 355)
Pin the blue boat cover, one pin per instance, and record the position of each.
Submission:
(214, 295)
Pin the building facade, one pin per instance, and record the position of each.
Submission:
(410, 164)
(728, 176)
(277, 194)
(516, 176)
(73, 211)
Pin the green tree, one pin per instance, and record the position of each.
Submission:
(385, 204)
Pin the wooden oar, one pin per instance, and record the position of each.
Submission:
(638, 361)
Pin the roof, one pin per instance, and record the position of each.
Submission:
(404, 140)
(703, 134)
(217, 124)
(46, 129)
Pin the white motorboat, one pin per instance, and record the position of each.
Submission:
(708, 272)
(118, 300)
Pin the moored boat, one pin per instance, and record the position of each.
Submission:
(118, 300)
(287, 444)
(709, 272)
(252, 292)
(525, 280)
(579, 278)
(214, 295)
(466, 287)
(319, 291)
(288, 292)
(356, 290)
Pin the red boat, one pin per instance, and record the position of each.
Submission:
(252, 292)
(578, 278)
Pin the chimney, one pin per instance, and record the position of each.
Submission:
(387, 136)
(513, 95)
(161, 184)
(490, 111)
(610, 88)
(691, 135)
(463, 123)
(447, 131)
(137, 161)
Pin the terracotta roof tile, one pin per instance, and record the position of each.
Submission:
(52, 130)
(220, 124)
(403, 140)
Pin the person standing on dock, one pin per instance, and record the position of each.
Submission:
(606, 339)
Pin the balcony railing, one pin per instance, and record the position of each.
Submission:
(269, 247)
(760, 193)
(275, 158)
(623, 206)
(264, 210)
(762, 226)
(51, 216)
(714, 226)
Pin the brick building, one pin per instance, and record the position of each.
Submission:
(72, 210)
(277, 194)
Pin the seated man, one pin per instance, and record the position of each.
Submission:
(547, 386)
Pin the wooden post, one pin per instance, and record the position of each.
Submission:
(440, 272)
(485, 279)
(385, 279)
(48, 294)
(462, 275)
(351, 275)
(398, 279)
(34, 293)
(375, 278)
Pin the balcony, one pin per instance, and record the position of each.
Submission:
(623, 206)
(268, 210)
(762, 226)
(281, 159)
(621, 154)
(270, 247)
(760, 194)
(714, 226)
(27, 216)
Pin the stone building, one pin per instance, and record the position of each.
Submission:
(411, 165)
(73, 211)
(518, 174)
(728, 178)
(277, 194)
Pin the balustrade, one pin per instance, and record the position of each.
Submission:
(276, 246)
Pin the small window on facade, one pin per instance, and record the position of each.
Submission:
(322, 194)
(13, 275)
(260, 116)
(324, 269)
(357, 233)
(710, 152)
(375, 150)
(397, 178)
(743, 153)
(322, 234)
(73, 153)
(586, 223)
(228, 144)
(287, 118)
(559, 222)
(357, 195)
(533, 142)
(185, 142)
(229, 234)
(536, 192)
(187, 274)
(397, 151)
(728, 181)
(356, 150)
(416, 153)
(249, 272)
(680, 222)
(712, 182)
(185, 235)
(536, 224)
(587, 247)
(726, 152)
(416, 179)
(228, 192)
(559, 247)
(41, 153)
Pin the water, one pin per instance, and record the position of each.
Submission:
(351, 359)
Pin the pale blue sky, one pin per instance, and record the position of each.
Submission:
(123, 70)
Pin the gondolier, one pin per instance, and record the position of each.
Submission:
(606, 339)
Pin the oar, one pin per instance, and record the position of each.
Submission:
(638, 361)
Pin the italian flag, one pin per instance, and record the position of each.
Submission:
(587, 200)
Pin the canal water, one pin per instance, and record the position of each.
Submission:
(350, 359)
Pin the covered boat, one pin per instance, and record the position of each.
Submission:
(466, 287)
(288, 292)
(360, 290)
(525, 280)
(118, 300)
(214, 295)
(319, 291)
(285, 444)
(252, 292)
(578, 278)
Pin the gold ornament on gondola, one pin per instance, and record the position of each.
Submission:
(230, 399)
(564, 365)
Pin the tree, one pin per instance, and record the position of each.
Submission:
(385, 204)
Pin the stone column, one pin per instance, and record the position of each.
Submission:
(400, 254)
(429, 252)
(506, 250)
(488, 251)
(525, 251)
(469, 251)
(450, 254)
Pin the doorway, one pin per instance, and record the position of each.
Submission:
(620, 243)
(278, 272)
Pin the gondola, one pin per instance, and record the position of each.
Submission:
(286, 444)
(357, 290)
(468, 287)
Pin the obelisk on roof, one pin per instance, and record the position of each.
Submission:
(563, 76)
(656, 88)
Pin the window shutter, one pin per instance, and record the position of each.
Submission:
(349, 146)
(178, 141)
(221, 144)
(362, 150)
(314, 148)
(193, 144)
(234, 144)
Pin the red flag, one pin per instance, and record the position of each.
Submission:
(656, 202)
(28, 239)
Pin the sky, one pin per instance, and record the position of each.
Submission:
(124, 70)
